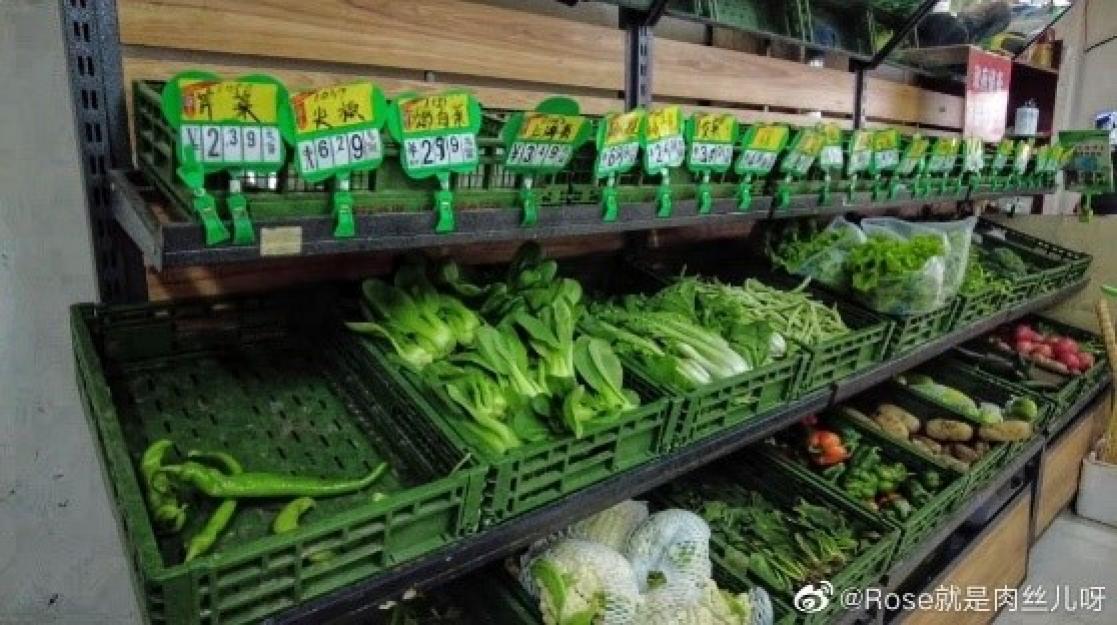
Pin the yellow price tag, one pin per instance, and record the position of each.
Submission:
(946, 147)
(333, 108)
(886, 140)
(436, 113)
(623, 127)
(811, 144)
(862, 141)
(715, 127)
(550, 127)
(832, 134)
(918, 147)
(229, 100)
(664, 122)
(769, 138)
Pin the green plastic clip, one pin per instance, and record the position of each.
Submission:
(744, 195)
(529, 202)
(609, 205)
(663, 196)
(894, 186)
(206, 208)
(879, 188)
(444, 206)
(238, 211)
(851, 190)
(705, 195)
(824, 197)
(783, 194)
(342, 203)
(1087, 213)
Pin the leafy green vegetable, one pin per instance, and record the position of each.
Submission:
(817, 255)
(892, 274)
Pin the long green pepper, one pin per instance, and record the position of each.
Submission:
(206, 537)
(169, 514)
(214, 483)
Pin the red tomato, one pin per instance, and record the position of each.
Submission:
(832, 456)
(1023, 332)
(828, 440)
(1066, 345)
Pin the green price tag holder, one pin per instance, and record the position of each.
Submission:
(1022, 157)
(831, 160)
(943, 158)
(710, 138)
(886, 160)
(913, 165)
(664, 150)
(860, 160)
(801, 155)
(224, 125)
(541, 142)
(973, 162)
(1000, 174)
(760, 149)
(437, 135)
(1087, 165)
(618, 149)
(335, 131)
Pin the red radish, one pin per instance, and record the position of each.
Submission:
(1065, 345)
(1071, 361)
(1024, 346)
(1024, 333)
(1043, 350)
(1086, 359)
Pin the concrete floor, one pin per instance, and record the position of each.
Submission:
(1074, 553)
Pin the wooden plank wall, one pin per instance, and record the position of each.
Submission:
(510, 58)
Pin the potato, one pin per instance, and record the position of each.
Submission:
(892, 425)
(946, 430)
(1006, 432)
(982, 448)
(963, 452)
(910, 421)
(929, 444)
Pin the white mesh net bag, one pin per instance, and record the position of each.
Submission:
(666, 605)
(578, 577)
(671, 548)
(613, 526)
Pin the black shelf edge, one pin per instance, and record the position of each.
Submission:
(504, 539)
(182, 243)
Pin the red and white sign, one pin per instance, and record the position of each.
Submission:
(987, 80)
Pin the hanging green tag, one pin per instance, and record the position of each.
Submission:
(1022, 157)
(224, 125)
(711, 137)
(542, 142)
(943, 155)
(860, 152)
(831, 158)
(803, 152)
(335, 132)
(886, 150)
(913, 155)
(618, 148)
(1003, 157)
(437, 135)
(760, 148)
(973, 160)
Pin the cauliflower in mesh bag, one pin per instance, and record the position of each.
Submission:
(578, 581)
(671, 548)
(613, 526)
(665, 605)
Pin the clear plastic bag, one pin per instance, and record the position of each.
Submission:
(957, 237)
(827, 266)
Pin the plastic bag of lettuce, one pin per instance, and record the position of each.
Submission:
(820, 256)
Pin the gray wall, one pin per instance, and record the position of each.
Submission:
(60, 558)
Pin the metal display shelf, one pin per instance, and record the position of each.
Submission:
(355, 602)
(167, 241)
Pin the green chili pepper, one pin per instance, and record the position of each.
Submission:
(1109, 290)
(168, 513)
(288, 518)
(211, 531)
(214, 483)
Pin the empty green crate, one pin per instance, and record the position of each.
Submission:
(911, 331)
(923, 520)
(386, 189)
(783, 489)
(1052, 266)
(242, 376)
(534, 474)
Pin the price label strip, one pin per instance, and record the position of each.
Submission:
(335, 132)
(664, 150)
(913, 163)
(1087, 165)
(760, 148)
(886, 159)
(618, 148)
(801, 155)
(437, 136)
(542, 142)
(711, 137)
(860, 159)
(224, 125)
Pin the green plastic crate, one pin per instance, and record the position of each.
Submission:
(243, 377)
(785, 489)
(386, 189)
(911, 331)
(1073, 387)
(923, 520)
(1054, 266)
(534, 474)
(969, 309)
